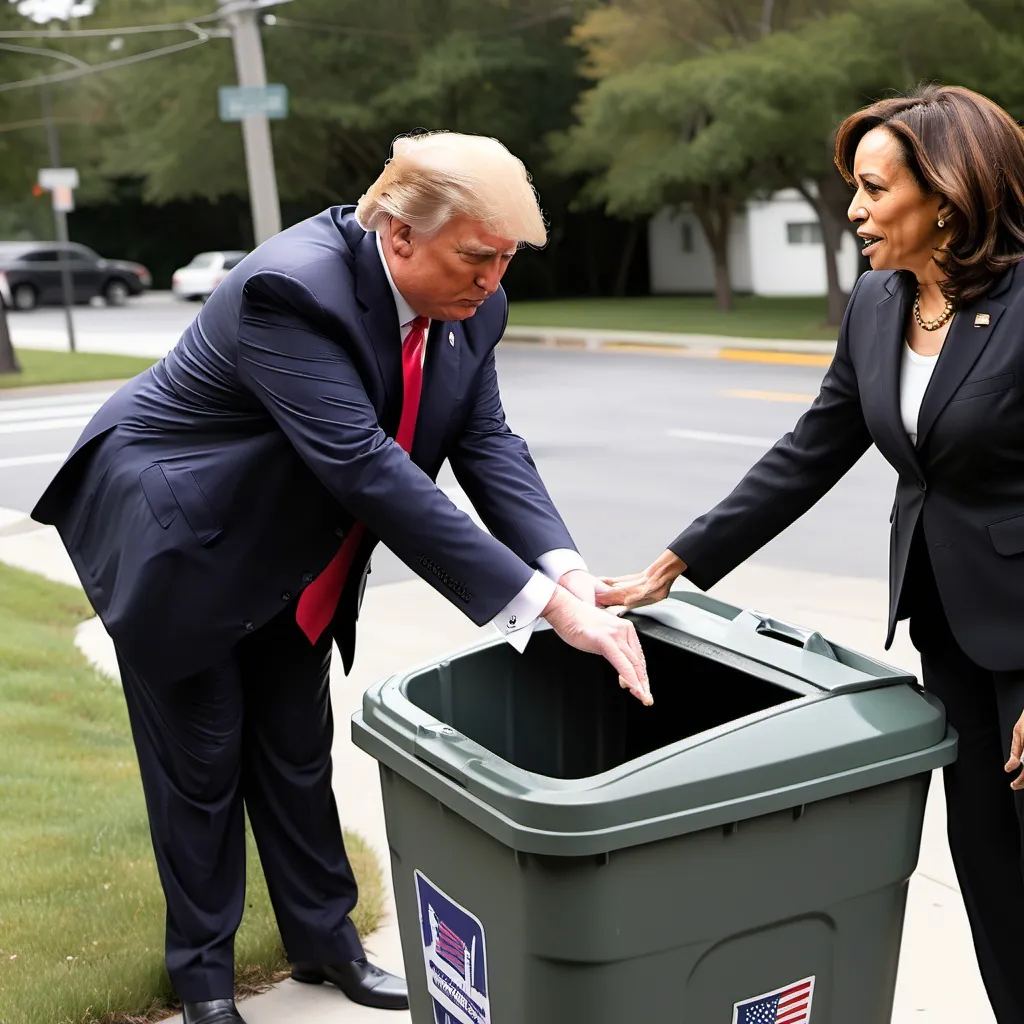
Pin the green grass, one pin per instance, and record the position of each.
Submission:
(81, 911)
(752, 317)
(39, 366)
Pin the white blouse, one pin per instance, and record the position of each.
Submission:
(915, 373)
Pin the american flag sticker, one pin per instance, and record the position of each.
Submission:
(789, 1005)
(454, 957)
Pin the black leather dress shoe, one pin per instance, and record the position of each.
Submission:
(360, 980)
(211, 1011)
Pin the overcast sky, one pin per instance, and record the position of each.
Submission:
(47, 10)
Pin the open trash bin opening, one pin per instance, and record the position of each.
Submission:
(558, 712)
(561, 853)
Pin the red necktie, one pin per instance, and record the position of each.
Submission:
(318, 602)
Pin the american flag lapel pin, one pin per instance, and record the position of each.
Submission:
(982, 319)
(451, 338)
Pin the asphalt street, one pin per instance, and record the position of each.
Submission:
(632, 446)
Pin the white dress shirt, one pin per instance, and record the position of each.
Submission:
(518, 619)
(915, 373)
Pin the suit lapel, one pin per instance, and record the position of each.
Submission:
(380, 322)
(891, 318)
(964, 343)
(440, 383)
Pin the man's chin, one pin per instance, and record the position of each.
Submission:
(459, 312)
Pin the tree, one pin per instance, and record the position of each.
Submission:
(650, 139)
(758, 113)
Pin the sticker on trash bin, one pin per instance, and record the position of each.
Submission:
(453, 954)
(788, 1005)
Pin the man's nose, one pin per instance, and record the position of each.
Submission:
(489, 279)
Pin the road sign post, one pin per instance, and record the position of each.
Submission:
(61, 182)
(252, 79)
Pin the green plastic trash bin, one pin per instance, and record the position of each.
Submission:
(737, 853)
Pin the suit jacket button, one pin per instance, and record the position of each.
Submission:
(339, 531)
(307, 577)
(248, 626)
(923, 485)
(286, 595)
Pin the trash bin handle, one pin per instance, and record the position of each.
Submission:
(788, 632)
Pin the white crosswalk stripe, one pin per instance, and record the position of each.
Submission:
(43, 415)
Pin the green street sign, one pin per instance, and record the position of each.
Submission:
(239, 102)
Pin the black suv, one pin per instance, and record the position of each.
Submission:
(30, 275)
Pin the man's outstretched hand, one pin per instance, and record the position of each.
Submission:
(595, 631)
(641, 588)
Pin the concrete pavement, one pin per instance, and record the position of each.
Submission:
(938, 978)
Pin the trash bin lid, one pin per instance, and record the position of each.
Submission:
(845, 722)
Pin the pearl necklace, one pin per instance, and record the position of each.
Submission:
(932, 325)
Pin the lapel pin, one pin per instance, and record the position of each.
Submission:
(451, 338)
(981, 319)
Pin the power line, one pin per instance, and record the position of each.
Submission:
(37, 51)
(82, 33)
(89, 69)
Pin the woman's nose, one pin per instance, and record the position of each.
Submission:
(856, 211)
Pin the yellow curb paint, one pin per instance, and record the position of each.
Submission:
(768, 396)
(746, 355)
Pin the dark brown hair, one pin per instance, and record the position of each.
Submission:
(962, 146)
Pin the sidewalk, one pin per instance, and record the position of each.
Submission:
(157, 340)
(938, 979)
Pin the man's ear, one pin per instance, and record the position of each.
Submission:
(401, 239)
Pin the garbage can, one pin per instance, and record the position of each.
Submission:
(737, 853)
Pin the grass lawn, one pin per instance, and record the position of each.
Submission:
(81, 911)
(40, 366)
(752, 317)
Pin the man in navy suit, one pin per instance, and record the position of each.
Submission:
(221, 510)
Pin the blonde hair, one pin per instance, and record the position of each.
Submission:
(436, 176)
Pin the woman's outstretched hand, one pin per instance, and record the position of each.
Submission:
(641, 588)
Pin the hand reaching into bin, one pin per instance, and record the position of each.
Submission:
(642, 588)
(595, 631)
(1017, 754)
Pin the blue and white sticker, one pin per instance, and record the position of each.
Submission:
(454, 957)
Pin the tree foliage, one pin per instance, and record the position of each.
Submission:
(727, 107)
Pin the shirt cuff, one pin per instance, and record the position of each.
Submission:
(556, 563)
(518, 619)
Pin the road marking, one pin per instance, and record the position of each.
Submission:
(94, 398)
(32, 460)
(745, 440)
(746, 355)
(29, 415)
(769, 396)
(31, 426)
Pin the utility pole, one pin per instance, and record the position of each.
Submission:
(242, 19)
(60, 219)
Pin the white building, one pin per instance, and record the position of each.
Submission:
(775, 248)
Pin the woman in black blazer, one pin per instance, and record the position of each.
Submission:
(929, 367)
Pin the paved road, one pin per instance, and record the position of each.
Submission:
(633, 446)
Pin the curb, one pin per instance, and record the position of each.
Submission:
(705, 346)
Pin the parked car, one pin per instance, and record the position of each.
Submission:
(204, 273)
(31, 272)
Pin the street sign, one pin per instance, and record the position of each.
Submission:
(239, 102)
(63, 198)
(58, 177)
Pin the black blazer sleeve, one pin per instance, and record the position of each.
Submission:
(799, 470)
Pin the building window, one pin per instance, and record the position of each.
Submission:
(686, 236)
(808, 233)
